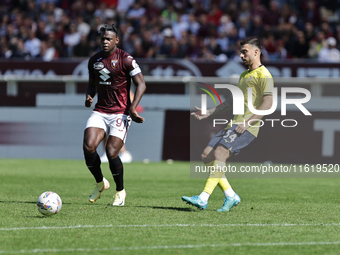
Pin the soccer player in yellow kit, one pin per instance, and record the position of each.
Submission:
(244, 128)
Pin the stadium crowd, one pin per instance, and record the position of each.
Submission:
(194, 29)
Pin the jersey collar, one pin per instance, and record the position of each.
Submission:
(254, 69)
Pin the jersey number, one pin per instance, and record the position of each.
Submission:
(231, 137)
(120, 121)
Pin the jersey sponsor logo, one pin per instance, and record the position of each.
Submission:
(98, 65)
(114, 63)
(105, 82)
(104, 74)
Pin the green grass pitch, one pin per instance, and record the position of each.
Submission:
(276, 216)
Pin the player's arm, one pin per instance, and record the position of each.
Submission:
(266, 105)
(139, 81)
(90, 92)
(225, 106)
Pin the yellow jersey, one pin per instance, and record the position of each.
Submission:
(261, 82)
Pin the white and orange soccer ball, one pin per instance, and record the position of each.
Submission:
(49, 203)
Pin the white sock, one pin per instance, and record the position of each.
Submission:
(229, 192)
(204, 196)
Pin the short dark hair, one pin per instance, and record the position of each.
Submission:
(253, 41)
(107, 27)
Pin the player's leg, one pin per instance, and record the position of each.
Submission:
(220, 156)
(119, 125)
(201, 201)
(94, 133)
(92, 138)
(235, 142)
(103, 158)
(215, 159)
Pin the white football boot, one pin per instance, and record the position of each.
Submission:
(119, 198)
(100, 187)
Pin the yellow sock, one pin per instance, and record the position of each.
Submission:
(214, 177)
(224, 184)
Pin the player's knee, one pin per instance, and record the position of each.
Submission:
(111, 152)
(221, 154)
(88, 148)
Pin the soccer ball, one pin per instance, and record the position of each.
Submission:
(49, 203)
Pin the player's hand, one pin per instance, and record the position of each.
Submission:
(198, 115)
(135, 117)
(88, 101)
(241, 128)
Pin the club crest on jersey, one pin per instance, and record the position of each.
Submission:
(114, 63)
(98, 65)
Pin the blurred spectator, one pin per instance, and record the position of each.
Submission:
(330, 53)
(41, 30)
(281, 52)
(156, 28)
(194, 26)
(47, 52)
(257, 29)
(152, 11)
(104, 12)
(166, 47)
(273, 15)
(311, 13)
(317, 44)
(55, 11)
(179, 26)
(214, 15)
(243, 27)
(5, 50)
(147, 45)
(309, 32)
(204, 30)
(135, 14)
(300, 46)
(123, 6)
(269, 44)
(226, 25)
(33, 44)
(325, 27)
(83, 48)
(89, 12)
(31, 10)
(71, 38)
(82, 27)
(20, 51)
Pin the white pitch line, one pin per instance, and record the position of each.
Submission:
(166, 247)
(175, 225)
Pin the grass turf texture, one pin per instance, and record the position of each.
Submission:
(155, 220)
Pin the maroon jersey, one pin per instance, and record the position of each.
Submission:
(112, 77)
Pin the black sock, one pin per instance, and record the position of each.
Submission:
(116, 167)
(93, 164)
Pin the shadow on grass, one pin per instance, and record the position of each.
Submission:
(169, 208)
(38, 216)
(27, 202)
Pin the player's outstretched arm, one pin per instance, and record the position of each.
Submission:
(90, 93)
(139, 81)
(199, 116)
(225, 106)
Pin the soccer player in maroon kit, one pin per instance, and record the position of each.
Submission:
(110, 73)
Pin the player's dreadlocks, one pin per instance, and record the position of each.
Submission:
(107, 27)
